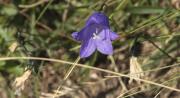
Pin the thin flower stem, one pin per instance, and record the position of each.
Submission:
(33, 5)
(163, 36)
(71, 69)
(103, 5)
(150, 22)
(93, 68)
(121, 6)
(67, 75)
(153, 21)
(41, 14)
(164, 52)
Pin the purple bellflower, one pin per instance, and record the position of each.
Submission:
(96, 35)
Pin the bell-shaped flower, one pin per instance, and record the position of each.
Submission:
(96, 35)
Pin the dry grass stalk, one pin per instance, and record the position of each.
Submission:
(48, 95)
(135, 69)
(94, 68)
(20, 82)
(13, 46)
(66, 90)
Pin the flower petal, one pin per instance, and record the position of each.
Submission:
(98, 18)
(102, 34)
(113, 35)
(104, 46)
(108, 34)
(86, 33)
(75, 35)
(87, 48)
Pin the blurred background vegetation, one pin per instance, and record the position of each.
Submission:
(45, 28)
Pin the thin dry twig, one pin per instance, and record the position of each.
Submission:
(93, 68)
(67, 75)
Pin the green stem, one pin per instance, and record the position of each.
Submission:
(153, 20)
(164, 52)
(41, 14)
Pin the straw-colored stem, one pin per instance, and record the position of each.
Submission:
(66, 76)
(94, 68)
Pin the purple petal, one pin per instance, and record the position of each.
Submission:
(75, 35)
(108, 34)
(102, 34)
(87, 48)
(98, 18)
(86, 33)
(113, 35)
(104, 46)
